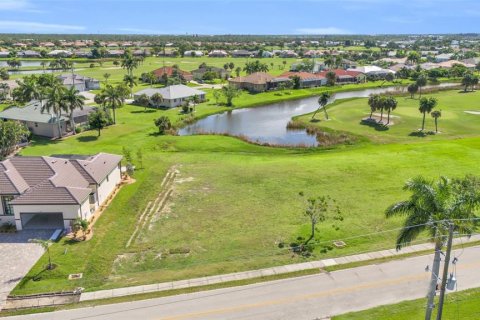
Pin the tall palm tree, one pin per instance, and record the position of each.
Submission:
(322, 103)
(129, 63)
(114, 98)
(195, 100)
(432, 207)
(130, 81)
(426, 106)
(435, 115)
(373, 102)
(55, 104)
(390, 105)
(72, 100)
(106, 76)
(29, 89)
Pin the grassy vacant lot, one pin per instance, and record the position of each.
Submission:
(235, 202)
(461, 305)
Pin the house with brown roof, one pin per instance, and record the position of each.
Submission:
(52, 192)
(344, 76)
(171, 72)
(307, 79)
(255, 82)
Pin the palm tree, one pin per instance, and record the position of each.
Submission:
(426, 106)
(29, 89)
(114, 98)
(156, 99)
(129, 63)
(72, 100)
(195, 100)
(373, 102)
(412, 89)
(45, 244)
(322, 103)
(435, 115)
(421, 82)
(143, 100)
(130, 81)
(390, 104)
(432, 207)
(106, 76)
(150, 77)
(55, 104)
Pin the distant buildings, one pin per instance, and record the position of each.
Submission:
(172, 72)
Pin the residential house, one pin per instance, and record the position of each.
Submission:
(241, 54)
(218, 54)
(172, 96)
(372, 71)
(12, 84)
(193, 53)
(200, 72)
(344, 76)
(443, 57)
(81, 83)
(267, 54)
(307, 79)
(28, 54)
(171, 72)
(43, 123)
(288, 54)
(115, 53)
(82, 54)
(255, 82)
(52, 192)
(4, 54)
(59, 53)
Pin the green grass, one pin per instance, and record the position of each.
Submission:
(406, 119)
(461, 305)
(238, 201)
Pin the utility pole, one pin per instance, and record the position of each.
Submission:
(434, 277)
(445, 272)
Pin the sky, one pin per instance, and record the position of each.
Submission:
(240, 16)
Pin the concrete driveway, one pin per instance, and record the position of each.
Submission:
(17, 257)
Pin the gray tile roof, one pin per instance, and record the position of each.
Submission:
(54, 180)
(172, 92)
(31, 112)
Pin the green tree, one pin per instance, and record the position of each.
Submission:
(114, 98)
(143, 100)
(320, 209)
(421, 82)
(98, 120)
(195, 100)
(436, 115)
(426, 106)
(45, 244)
(130, 81)
(237, 71)
(431, 208)
(29, 89)
(216, 95)
(331, 78)
(129, 63)
(4, 75)
(71, 101)
(390, 104)
(54, 103)
(412, 89)
(322, 103)
(106, 75)
(11, 134)
(163, 124)
(374, 103)
(469, 80)
(230, 92)
(413, 57)
(156, 99)
(296, 81)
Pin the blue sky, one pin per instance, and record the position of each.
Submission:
(240, 16)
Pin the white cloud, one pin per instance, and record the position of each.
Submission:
(327, 30)
(36, 27)
(14, 4)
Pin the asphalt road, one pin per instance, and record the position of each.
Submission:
(304, 298)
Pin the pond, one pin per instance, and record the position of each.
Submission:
(268, 124)
(25, 63)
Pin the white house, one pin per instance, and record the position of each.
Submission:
(193, 53)
(81, 83)
(172, 96)
(52, 192)
(59, 53)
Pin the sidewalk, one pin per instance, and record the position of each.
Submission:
(197, 282)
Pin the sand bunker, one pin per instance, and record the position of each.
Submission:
(473, 112)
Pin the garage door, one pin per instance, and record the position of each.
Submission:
(44, 220)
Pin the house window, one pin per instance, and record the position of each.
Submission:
(92, 198)
(7, 207)
(36, 125)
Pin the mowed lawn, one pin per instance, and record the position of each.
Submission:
(236, 201)
(406, 119)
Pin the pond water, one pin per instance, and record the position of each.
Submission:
(268, 124)
(27, 63)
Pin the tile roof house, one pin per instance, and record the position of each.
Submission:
(81, 83)
(344, 76)
(170, 71)
(307, 79)
(255, 82)
(43, 123)
(200, 72)
(52, 192)
(172, 96)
